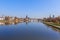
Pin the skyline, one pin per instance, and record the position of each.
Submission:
(32, 8)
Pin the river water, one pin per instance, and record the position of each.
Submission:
(29, 31)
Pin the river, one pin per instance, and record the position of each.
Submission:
(28, 31)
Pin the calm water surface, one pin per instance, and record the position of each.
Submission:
(29, 31)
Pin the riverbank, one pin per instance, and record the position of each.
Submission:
(52, 24)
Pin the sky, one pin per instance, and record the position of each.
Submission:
(32, 8)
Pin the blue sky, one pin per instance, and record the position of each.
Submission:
(32, 8)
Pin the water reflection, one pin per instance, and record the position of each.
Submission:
(31, 31)
(53, 28)
(7, 23)
(10, 23)
(15, 23)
